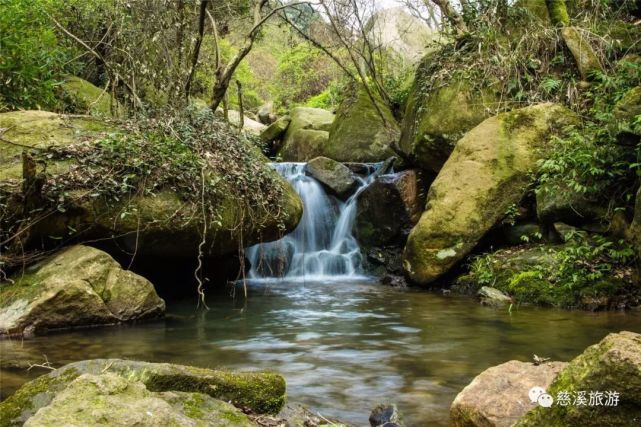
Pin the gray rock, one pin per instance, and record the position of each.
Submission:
(336, 177)
(492, 296)
(385, 416)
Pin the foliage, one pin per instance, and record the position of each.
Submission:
(32, 61)
(590, 160)
(585, 268)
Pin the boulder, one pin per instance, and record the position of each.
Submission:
(78, 286)
(110, 399)
(499, 396)
(191, 392)
(336, 177)
(385, 416)
(250, 125)
(625, 112)
(276, 130)
(492, 296)
(266, 114)
(158, 224)
(556, 202)
(307, 134)
(634, 232)
(390, 205)
(82, 97)
(359, 133)
(436, 117)
(611, 366)
(586, 60)
(488, 172)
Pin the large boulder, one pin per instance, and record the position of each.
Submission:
(436, 117)
(389, 206)
(335, 176)
(488, 172)
(307, 134)
(611, 368)
(634, 232)
(78, 286)
(586, 60)
(156, 224)
(362, 132)
(275, 131)
(557, 202)
(117, 387)
(81, 96)
(499, 396)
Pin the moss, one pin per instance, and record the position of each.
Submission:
(558, 12)
(83, 97)
(31, 396)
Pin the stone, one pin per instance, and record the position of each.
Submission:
(163, 224)
(110, 399)
(83, 97)
(612, 365)
(336, 177)
(266, 114)
(359, 133)
(78, 286)
(436, 118)
(260, 393)
(275, 131)
(385, 416)
(389, 207)
(586, 60)
(634, 233)
(492, 296)
(625, 112)
(499, 396)
(487, 173)
(250, 125)
(307, 134)
(556, 202)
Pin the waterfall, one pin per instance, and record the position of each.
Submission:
(322, 246)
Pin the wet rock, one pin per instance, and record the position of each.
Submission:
(178, 385)
(388, 208)
(336, 177)
(499, 396)
(385, 416)
(358, 168)
(488, 172)
(78, 286)
(612, 365)
(384, 260)
(393, 281)
(493, 297)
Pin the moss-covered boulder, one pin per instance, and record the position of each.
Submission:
(307, 134)
(159, 223)
(488, 172)
(634, 232)
(499, 396)
(110, 399)
(359, 133)
(80, 96)
(586, 60)
(275, 131)
(334, 176)
(388, 208)
(612, 368)
(436, 117)
(192, 393)
(557, 202)
(78, 286)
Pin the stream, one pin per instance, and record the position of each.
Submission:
(342, 346)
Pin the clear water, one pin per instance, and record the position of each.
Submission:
(342, 346)
(322, 247)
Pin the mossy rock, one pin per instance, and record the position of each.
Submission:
(276, 130)
(557, 202)
(586, 60)
(260, 393)
(307, 134)
(612, 365)
(626, 110)
(160, 224)
(488, 172)
(335, 176)
(359, 133)
(435, 118)
(78, 286)
(85, 98)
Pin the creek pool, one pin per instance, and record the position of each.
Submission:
(342, 346)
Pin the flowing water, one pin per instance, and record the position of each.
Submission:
(343, 342)
(322, 247)
(343, 346)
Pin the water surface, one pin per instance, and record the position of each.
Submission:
(343, 347)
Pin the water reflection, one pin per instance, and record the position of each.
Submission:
(343, 347)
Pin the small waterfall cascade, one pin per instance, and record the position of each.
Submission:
(322, 246)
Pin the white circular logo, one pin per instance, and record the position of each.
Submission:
(535, 392)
